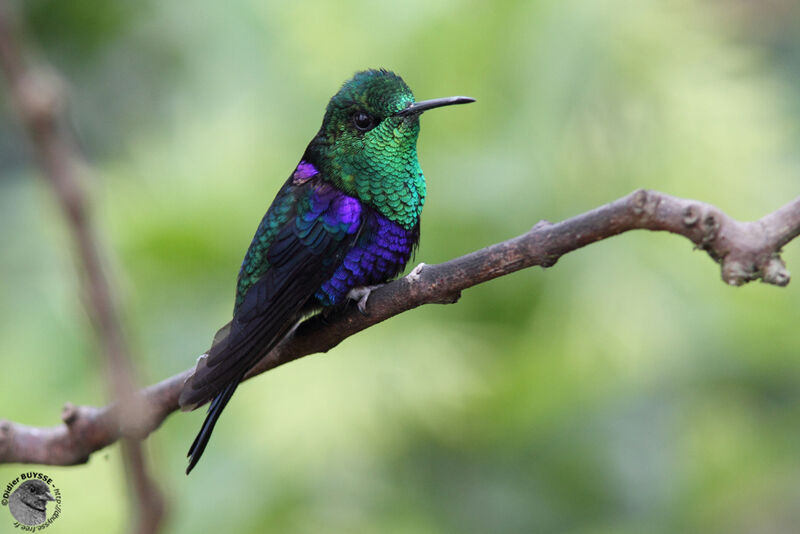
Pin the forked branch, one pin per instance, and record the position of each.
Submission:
(746, 251)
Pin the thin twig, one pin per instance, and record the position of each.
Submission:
(39, 104)
(746, 251)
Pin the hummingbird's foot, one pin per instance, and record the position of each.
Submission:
(361, 294)
(413, 276)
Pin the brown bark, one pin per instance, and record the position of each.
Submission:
(746, 251)
(38, 100)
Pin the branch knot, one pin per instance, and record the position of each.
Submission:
(691, 215)
(775, 272)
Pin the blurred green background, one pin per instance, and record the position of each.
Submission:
(625, 390)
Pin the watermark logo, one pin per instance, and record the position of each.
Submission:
(33, 500)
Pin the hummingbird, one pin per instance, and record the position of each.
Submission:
(345, 221)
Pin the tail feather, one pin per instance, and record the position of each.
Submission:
(214, 411)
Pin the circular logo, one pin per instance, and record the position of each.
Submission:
(33, 501)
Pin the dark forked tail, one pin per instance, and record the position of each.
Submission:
(214, 411)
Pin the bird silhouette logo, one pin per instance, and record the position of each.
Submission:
(27, 497)
(28, 504)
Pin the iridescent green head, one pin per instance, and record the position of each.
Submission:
(367, 145)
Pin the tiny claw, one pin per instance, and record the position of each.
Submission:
(361, 295)
(413, 276)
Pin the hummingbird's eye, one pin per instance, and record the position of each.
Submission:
(363, 121)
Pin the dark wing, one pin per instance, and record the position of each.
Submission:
(319, 229)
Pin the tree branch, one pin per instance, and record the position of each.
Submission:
(746, 251)
(39, 103)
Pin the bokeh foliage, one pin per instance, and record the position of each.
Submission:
(624, 390)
